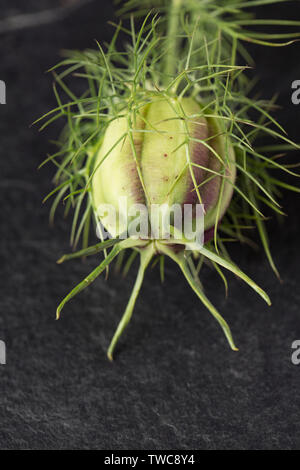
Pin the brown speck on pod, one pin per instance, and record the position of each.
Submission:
(165, 154)
(165, 178)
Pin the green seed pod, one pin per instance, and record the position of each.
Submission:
(167, 122)
(175, 154)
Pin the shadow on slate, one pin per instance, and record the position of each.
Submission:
(175, 384)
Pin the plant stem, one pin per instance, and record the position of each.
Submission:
(199, 292)
(146, 256)
(121, 245)
(172, 39)
(182, 263)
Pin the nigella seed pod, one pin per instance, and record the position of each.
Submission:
(165, 123)
(170, 152)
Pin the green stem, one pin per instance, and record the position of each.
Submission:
(172, 55)
(146, 256)
(182, 263)
(91, 250)
(198, 291)
(89, 279)
(225, 263)
(122, 245)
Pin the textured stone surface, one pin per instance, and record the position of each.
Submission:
(175, 384)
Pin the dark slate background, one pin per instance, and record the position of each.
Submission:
(175, 384)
